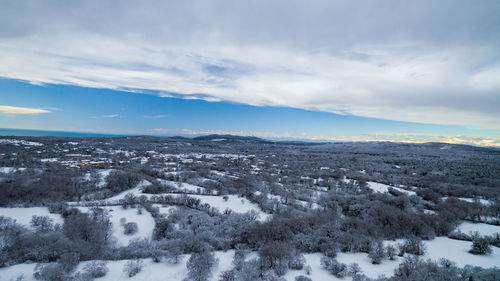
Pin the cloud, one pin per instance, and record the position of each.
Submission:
(6, 109)
(159, 116)
(111, 116)
(425, 61)
(417, 138)
(391, 137)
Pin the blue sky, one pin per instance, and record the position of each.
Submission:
(81, 109)
(335, 70)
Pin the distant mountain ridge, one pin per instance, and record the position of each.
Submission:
(224, 138)
(231, 138)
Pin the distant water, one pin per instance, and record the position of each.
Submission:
(41, 133)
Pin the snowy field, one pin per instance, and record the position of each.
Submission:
(164, 210)
(319, 273)
(458, 252)
(150, 272)
(23, 215)
(441, 247)
(136, 191)
(384, 188)
(182, 186)
(234, 203)
(20, 142)
(483, 228)
(7, 170)
(237, 204)
(471, 200)
(12, 272)
(144, 221)
(103, 174)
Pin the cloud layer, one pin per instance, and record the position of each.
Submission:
(6, 109)
(420, 61)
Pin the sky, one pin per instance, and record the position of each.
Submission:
(322, 70)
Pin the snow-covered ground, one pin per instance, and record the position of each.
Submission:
(23, 215)
(150, 272)
(317, 273)
(20, 142)
(386, 268)
(483, 228)
(47, 160)
(182, 186)
(145, 223)
(164, 210)
(236, 204)
(441, 247)
(458, 252)
(12, 272)
(136, 191)
(7, 170)
(102, 177)
(471, 200)
(306, 204)
(384, 188)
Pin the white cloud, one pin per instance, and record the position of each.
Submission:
(21, 110)
(158, 116)
(392, 137)
(353, 58)
(111, 116)
(416, 138)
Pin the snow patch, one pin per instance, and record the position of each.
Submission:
(483, 228)
(458, 252)
(23, 215)
(20, 142)
(145, 223)
(384, 188)
(182, 186)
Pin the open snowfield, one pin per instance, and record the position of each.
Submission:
(136, 191)
(145, 222)
(23, 215)
(471, 200)
(236, 204)
(483, 228)
(384, 188)
(102, 177)
(458, 252)
(49, 160)
(8, 170)
(150, 272)
(441, 247)
(20, 142)
(12, 272)
(319, 273)
(164, 210)
(371, 270)
(182, 186)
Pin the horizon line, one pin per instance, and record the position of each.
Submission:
(67, 134)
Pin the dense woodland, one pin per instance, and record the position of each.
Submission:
(317, 198)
